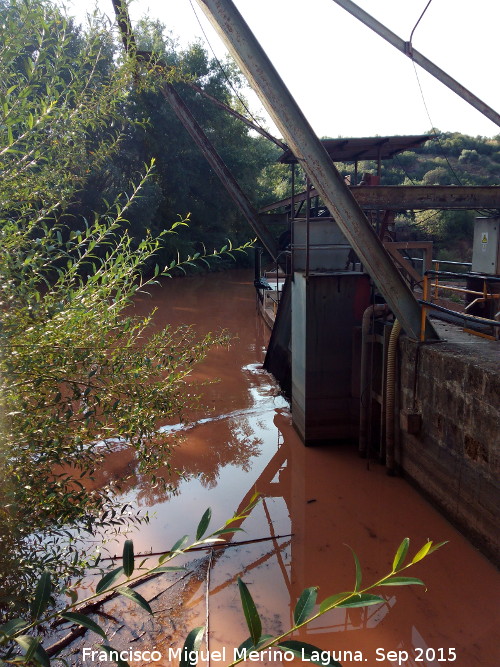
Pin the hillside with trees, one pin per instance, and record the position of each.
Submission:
(448, 158)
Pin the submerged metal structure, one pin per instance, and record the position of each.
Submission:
(327, 301)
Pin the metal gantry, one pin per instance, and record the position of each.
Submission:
(315, 161)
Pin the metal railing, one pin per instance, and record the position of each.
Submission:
(481, 297)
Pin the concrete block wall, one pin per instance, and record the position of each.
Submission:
(455, 456)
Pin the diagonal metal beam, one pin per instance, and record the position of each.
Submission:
(316, 162)
(237, 115)
(216, 162)
(200, 138)
(425, 63)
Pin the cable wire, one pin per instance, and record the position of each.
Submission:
(486, 212)
(416, 24)
(402, 167)
(455, 175)
(242, 101)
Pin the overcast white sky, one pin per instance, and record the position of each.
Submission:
(348, 80)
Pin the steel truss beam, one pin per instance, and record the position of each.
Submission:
(316, 162)
(411, 197)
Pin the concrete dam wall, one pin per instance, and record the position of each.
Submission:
(453, 453)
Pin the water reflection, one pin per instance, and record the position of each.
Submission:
(324, 497)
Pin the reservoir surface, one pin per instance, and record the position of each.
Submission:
(316, 505)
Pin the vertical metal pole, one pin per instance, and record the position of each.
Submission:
(424, 309)
(316, 162)
(436, 281)
(292, 219)
(277, 285)
(308, 220)
(257, 270)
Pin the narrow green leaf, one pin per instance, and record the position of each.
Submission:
(361, 600)
(254, 499)
(128, 558)
(402, 581)
(437, 546)
(136, 597)
(41, 656)
(250, 610)
(192, 644)
(422, 553)
(112, 652)
(305, 605)
(86, 622)
(203, 525)
(180, 544)
(108, 579)
(164, 557)
(229, 530)
(332, 601)
(359, 574)
(13, 626)
(210, 540)
(400, 554)
(250, 646)
(311, 653)
(28, 644)
(42, 595)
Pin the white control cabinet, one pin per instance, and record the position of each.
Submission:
(486, 249)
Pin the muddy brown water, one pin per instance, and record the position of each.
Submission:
(325, 497)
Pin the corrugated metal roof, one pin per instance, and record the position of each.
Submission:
(365, 148)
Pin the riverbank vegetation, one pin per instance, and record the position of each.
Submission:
(79, 374)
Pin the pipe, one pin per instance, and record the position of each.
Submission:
(364, 391)
(390, 460)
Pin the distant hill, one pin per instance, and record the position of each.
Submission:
(449, 159)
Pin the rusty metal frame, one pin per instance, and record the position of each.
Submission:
(394, 248)
(316, 162)
(483, 296)
(413, 197)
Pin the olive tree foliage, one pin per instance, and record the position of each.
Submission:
(79, 372)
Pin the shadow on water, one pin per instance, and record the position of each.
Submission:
(325, 497)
